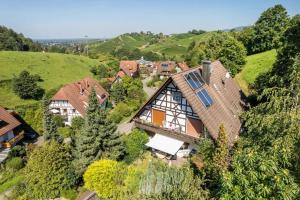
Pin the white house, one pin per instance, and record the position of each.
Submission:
(72, 99)
(189, 106)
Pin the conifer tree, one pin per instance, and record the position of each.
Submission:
(87, 143)
(50, 127)
(112, 144)
(221, 151)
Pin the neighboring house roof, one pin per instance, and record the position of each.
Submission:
(227, 97)
(183, 66)
(165, 67)
(129, 67)
(7, 121)
(78, 93)
(120, 74)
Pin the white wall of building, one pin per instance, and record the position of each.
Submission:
(65, 109)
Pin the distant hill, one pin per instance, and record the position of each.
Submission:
(55, 70)
(174, 45)
(256, 65)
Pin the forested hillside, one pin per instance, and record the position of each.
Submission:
(12, 41)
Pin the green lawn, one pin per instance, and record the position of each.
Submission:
(55, 69)
(256, 64)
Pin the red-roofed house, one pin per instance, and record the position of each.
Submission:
(10, 131)
(72, 99)
(129, 67)
(117, 77)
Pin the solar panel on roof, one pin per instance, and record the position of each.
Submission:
(204, 97)
(194, 79)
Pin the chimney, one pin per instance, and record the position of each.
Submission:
(81, 89)
(206, 70)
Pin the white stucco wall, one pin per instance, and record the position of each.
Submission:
(65, 109)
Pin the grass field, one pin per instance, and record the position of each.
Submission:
(55, 70)
(256, 64)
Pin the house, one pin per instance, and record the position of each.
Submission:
(129, 67)
(145, 65)
(189, 106)
(10, 129)
(165, 68)
(72, 99)
(117, 78)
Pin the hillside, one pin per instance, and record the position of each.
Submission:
(256, 64)
(173, 45)
(55, 70)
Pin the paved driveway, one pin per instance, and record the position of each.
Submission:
(149, 90)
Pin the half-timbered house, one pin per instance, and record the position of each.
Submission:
(72, 99)
(190, 105)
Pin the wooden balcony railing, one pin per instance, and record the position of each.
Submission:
(13, 141)
(164, 131)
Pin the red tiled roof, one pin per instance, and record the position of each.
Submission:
(183, 66)
(120, 74)
(162, 70)
(129, 67)
(71, 92)
(7, 121)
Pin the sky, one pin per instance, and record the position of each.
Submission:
(41, 19)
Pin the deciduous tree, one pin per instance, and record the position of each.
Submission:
(25, 86)
(48, 171)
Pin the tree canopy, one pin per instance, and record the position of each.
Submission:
(219, 46)
(48, 171)
(26, 87)
(12, 41)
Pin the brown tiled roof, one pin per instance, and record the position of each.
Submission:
(162, 70)
(183, 66)
(227, 100)
(120, 74)
(72, 93)
(129, 67)
(7, 121)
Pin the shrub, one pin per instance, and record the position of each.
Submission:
(33, 116)
(17, 151)
(65, 132)
(15, 163)
(105, 177)
(135, 145)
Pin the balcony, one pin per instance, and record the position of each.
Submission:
(13, 141)
(164, 131)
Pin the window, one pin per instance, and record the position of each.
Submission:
(177, 96)
(194, 80)
(204, 97)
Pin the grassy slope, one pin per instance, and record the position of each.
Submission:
(256, 64)
(55, 70)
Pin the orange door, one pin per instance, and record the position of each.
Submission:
(158, 117)
(194, 127)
